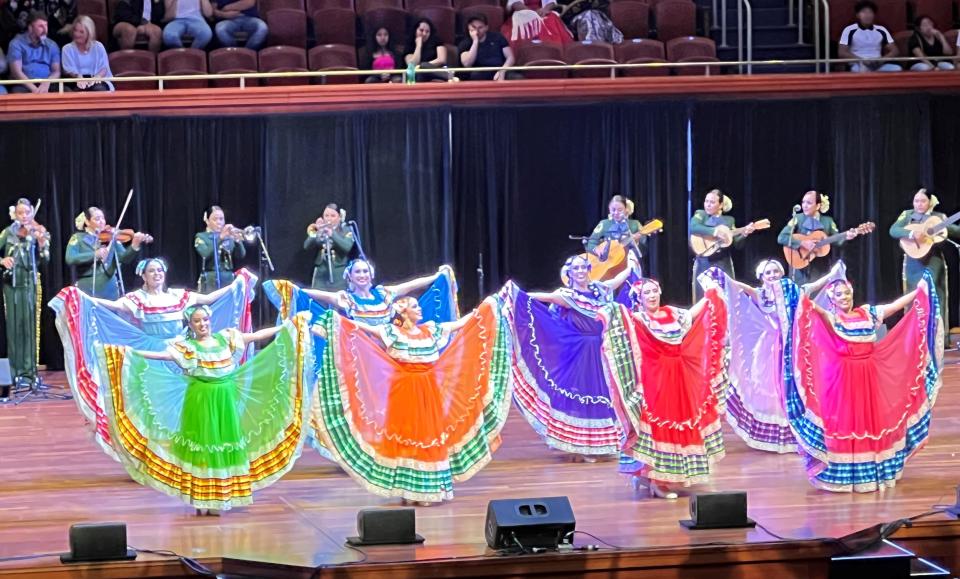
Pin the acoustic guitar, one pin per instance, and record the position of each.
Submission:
(935, 231)
(707, 245)
(612, 258)
(800, 258)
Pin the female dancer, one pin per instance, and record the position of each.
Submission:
(24, 246)
(213, 431)
(760, 326)
(619, 227)
(99, 263)
(860, 407)
(813, 206)
(409, 408)
(711, 221)
(334, 245)
(670, 396)
(366, 302)
(560, 381)
(923, 205)
(220, 247)
(146, 319)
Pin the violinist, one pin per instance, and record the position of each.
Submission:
(217, 266)
(335, 248)
(97, 252)
(26, 245)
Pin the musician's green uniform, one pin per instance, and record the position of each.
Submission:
(81, 250)
(820, 266)
(913, 268)
(230, 252)
(343, 249)
(20, 301)
(608, 229)
(702, 223)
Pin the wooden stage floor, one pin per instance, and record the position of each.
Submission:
(52, 475)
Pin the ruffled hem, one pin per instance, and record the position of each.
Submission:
(768, 433)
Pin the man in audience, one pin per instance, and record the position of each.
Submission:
(187, 18)
(868, 41)
(132, 18)
(485, 48)
(33, 55)
(235, 16)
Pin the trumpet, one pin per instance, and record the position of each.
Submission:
(248, 234)
(323, 231)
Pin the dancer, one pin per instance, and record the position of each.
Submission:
(560, 382)
(410, 408)
(24, 246)
(213, 431)
(98, 253)
(146, 319)
(861, 406)
(911, 226)
(670, 395)
(760, 325)
(711, 222)
(220, 247)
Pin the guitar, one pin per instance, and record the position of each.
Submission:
(707, 245)
(801, 258)
(612, 258)
(935, 231)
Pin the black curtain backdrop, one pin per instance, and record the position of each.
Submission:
(443, 185)
(527, 177)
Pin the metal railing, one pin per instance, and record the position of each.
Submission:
(243, 78)
(740, 29)
(817, 31)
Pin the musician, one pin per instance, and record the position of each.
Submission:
(99, 262)
(711, 221)
(619, 227)
(812, 219)
(335, 247)
(25, 246)
(923, 205)
(217, 267)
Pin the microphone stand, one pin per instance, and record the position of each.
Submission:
(480, 276)
(793, 230)
(947, 328)
(216, 256)
(38, 389)
(328, 248)
(356, 238)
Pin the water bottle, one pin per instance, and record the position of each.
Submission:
(410, 77)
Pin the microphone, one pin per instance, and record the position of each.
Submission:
(797, 209)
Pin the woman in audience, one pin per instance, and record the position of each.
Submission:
(132, 18)
(860, 406)
(382, 55)
(928, 42)
(86, 58)
(425, 51)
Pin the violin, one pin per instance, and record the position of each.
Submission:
(34, 230)
(123, 236)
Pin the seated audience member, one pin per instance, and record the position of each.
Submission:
(3, 69)
(86, 57)
(187, 17)
(588, 19)
(381, 55)
(132, 18)
(927, 41)
(235, 16)
(868, 41)
(528, 20)
(425, 51)
(485, 48)
(15, 13)
(33, 55)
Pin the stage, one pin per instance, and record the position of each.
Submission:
(53, 475)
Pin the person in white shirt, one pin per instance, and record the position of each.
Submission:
(869, 42)
(187, 17)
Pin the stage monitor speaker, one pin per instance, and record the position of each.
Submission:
(98, 542)
(5, 378)
(718, 511)
(386, 527)
(533, 523)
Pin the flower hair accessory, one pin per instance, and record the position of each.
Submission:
(143, 263)
(80, 220)
(824, 202)
(188, 313)
(630, 206)
(726, 204)
(399, 307)
(832, 286)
